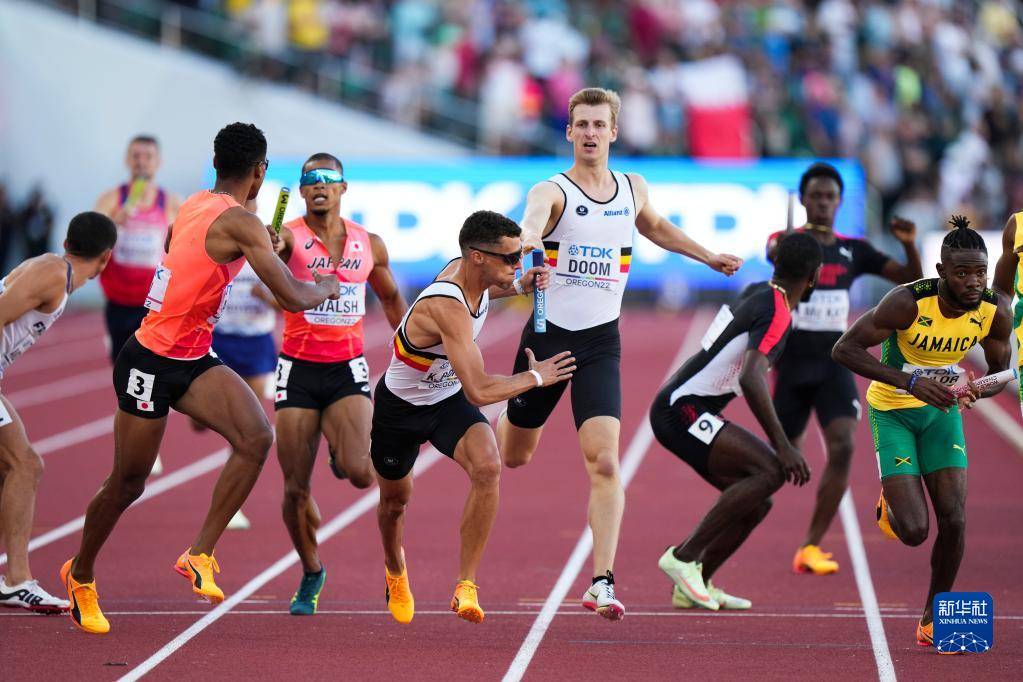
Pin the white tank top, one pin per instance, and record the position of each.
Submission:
(244, 314)
(590, 250)
(424, 376)
(20, 334)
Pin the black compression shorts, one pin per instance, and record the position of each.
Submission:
(688, 428)
(823, 386)
(596, 384)
(400, 428)
(148, 385)
(318, 385)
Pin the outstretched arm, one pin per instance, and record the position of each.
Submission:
(381, 280)
(905, 231)
(541, 201)
(662, 232)
(455, 327)
(249, 235)
(996, 345)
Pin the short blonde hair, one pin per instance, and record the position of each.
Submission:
(595, 97)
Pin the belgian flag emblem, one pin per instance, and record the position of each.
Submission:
(925, 321)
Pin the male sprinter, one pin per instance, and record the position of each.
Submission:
(1009, 279)
(926, 328)
(142, 211)
(32, 297)
(322, 376)
(738, 349)
(167, 363)
(432, 391)
(808, 380)
(585, 219)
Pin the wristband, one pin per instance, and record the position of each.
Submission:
(518, 287)
(536, 375)
(912, 380)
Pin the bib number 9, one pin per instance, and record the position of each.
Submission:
(706, 427)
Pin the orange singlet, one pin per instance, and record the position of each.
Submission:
(332, 331)
(189, 289)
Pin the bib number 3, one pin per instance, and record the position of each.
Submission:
(706, 427)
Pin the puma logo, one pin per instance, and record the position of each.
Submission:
(956, 446)
(845, 252)
(974, 320)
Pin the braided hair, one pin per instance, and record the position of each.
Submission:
(962, 237)
(237, 148)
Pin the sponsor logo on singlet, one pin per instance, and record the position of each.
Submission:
(324, 263)
(581, 210)
(614, 212)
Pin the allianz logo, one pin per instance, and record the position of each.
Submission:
(620, 211)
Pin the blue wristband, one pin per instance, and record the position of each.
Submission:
(912, 380)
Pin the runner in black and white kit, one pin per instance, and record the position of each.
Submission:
(585, 219)
(432, 391)
(737, 350)
(807, 377)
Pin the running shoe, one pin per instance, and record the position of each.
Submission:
(600, 597)
(84, 609)
(199, 569)
(308, 595)
(810, 559)
(925, 634)
(28, 595)
(688, 578)
(334, 466)
(883, 521)
(726, 601)
(466, 601)
(399, 595)
(239, 521)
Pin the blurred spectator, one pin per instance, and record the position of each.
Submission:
(36, 223)
(8, 228)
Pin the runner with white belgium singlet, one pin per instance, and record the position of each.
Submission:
(32, 297)
(585, 220)
(432, 391)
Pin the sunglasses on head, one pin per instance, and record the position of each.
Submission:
(316, 176)
(512, 258)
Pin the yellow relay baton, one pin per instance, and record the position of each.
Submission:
(282, 206)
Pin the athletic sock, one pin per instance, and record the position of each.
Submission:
(609, 578)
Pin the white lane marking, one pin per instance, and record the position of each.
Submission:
(78, 434)
(63, 388)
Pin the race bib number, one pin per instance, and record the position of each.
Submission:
(591, 267)
(139, 248)
(215, 317)
(158, 288)
(343, 312)
(949, 376)
(717, 325)
(140, 385)
(826, 311)
(283, 372)
(360, 370)
(706, 427)
(441, 375)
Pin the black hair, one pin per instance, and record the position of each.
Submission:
(144, 139)
(89, 234)
(486, 227)
(962, 237)
(797, 257)
(821, 170)
(237, 148)
(324, 156)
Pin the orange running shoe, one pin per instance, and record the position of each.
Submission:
(810, 559)
(466, 601)
(84, 600)
(399, 595)
(199, 569)
(925, 634)
(883, 521)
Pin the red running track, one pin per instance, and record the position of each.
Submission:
(800, 626)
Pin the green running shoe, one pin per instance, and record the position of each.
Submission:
(308, 594)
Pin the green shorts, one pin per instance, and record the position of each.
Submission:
(917, 440)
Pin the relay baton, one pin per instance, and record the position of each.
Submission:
(989, 381)
(792, 207)
(539, 298)
(138, 188)
(282, 205)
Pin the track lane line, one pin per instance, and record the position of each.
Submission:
(634, 455)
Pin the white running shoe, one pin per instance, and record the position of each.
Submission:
(157, 466)
(601, 598)
(726, 601)
(239, 521)
(688, 578)
(28, 595)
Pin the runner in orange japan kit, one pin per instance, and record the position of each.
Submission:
(168, 364)
(322, 377)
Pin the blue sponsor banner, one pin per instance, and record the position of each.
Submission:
(417, 207)
(964, 622)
